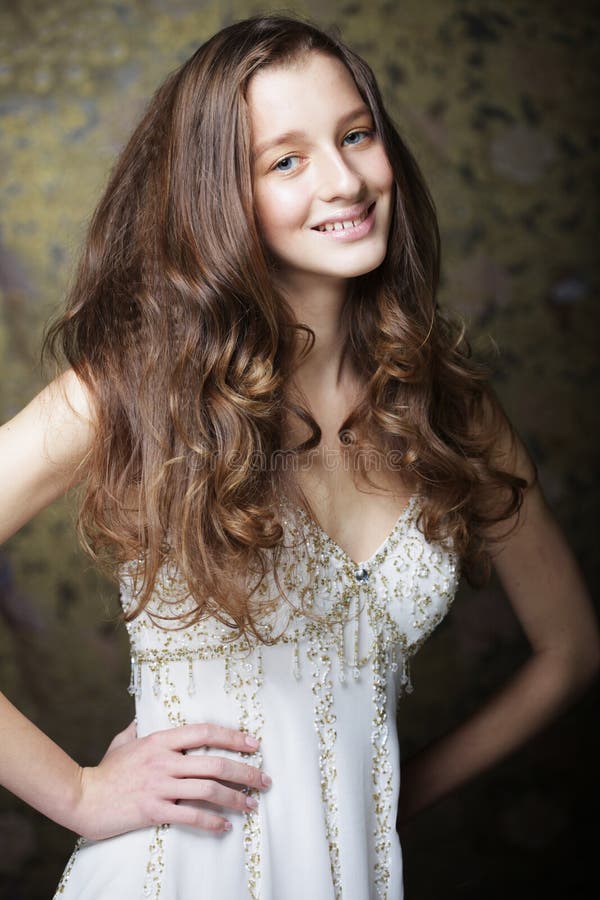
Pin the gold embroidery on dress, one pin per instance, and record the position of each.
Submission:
(371, 618)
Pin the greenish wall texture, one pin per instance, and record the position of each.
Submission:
(497, 100)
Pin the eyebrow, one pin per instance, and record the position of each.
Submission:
(298, 135)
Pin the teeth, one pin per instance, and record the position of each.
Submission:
(340, 226)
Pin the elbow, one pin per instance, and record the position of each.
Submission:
(577, 669)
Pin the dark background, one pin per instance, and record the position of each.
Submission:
(498, 102)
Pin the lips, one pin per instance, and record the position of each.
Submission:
(345, 220)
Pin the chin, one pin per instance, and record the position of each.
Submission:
(367, 266)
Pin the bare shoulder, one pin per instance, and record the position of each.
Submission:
(43, 449)
(68, 392)
(509, 452)
(60, 420)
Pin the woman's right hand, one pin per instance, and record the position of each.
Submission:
(139, 781)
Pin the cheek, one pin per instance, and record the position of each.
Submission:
(279, 208)
(385, 175)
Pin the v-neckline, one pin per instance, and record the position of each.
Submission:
(345, 556)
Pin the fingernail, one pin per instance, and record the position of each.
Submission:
(251, 802)
(227, 826)
(252, 742)
(266, 780)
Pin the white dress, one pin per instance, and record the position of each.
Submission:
(322, 700)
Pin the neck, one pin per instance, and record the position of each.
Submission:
(325, 371)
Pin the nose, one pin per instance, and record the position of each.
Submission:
(338, 178)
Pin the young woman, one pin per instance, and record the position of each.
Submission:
(288, 457)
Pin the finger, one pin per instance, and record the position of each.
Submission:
(173, 814)
(211, 792)
(218, 767)
(206, 734)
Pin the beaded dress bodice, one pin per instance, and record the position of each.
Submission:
(363, 606)
(322, 699)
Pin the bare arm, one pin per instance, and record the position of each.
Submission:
(546, 589)
(43, 453)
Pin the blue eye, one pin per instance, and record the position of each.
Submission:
(361, 134)
(281, 162)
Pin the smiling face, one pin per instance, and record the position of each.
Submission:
(322, 180)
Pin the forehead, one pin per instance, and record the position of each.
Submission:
(309, 91)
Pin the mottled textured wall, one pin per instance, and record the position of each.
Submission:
(497, 100)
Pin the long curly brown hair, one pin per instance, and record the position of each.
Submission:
(174, 324)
